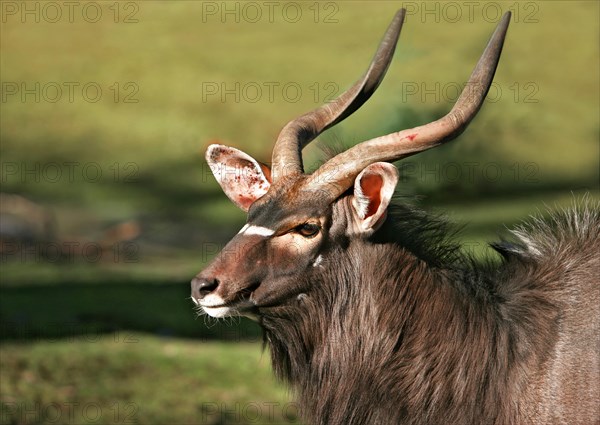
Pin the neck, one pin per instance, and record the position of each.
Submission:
(385, 338)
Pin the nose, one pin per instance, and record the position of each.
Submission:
(202, 286)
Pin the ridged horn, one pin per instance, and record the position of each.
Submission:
(287, 153)
(338, 174)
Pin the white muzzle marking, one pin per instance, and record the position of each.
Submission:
(217, 311)
(211, 300)
(208, 304)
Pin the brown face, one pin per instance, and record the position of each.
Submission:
(287, 236)
(258, 266)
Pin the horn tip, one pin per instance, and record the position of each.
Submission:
(400, 13)
(505, 20)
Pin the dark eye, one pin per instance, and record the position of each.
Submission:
(308, 230)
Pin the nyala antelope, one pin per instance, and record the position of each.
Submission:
(371, 315)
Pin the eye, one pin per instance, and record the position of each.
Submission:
(308, 230)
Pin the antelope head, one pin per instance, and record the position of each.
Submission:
(296, 220)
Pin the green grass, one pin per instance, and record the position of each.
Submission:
(129, 377)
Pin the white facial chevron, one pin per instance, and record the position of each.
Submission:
(256, 230)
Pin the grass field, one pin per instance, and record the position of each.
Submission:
(127, 377)
(106, 122)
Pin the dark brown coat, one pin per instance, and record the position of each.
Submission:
(386, 337)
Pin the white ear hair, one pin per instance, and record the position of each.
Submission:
(360, 202)
(373, 190)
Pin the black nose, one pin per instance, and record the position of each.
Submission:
(202, 286)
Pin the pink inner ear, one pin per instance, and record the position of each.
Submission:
(266, 171)
(245, 201)
(371, 185)
(243, 183)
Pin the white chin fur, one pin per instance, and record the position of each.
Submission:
(211, 300)
(217, 312)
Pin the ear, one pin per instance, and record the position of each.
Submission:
(242, 178)
(373, 190)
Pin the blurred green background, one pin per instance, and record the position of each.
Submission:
(108, 208)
